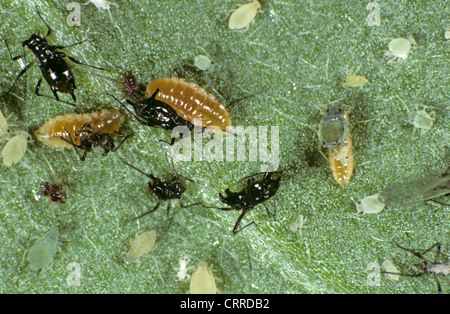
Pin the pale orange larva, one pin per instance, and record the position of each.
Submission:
(105, 121)
(191, 102)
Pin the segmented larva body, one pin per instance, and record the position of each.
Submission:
(105, 121)
(190, 101)
(341, 160)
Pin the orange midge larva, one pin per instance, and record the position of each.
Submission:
(341, 159)
(191, 102)
(106, 121)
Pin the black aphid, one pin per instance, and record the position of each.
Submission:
(427, 267)
(164, 190)
(90, 139)
(255, 192)
(54, 68)
(155, 113)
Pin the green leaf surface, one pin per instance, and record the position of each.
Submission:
(293, 58)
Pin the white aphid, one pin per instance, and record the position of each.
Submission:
(14, 150)
(447, 35)
(143, 243)
(202, 280)
(203, 63)
(182, 273)
(4, 131)
(42, 252)
(399, 48)
(243, 15)
(371, 204)
(389, 267)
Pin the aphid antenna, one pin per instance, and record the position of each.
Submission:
(125, 107)
(151, 176)
(233, 102)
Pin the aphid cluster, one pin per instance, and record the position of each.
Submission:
(174, 102)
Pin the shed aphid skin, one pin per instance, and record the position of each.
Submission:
(182, 272)
(191, 102)
(105, 121)
(42, 252)
(299, 224)
(202, 280)
(399, 48)
(53, 191)
(244, 15)
(372, 204)
(142, 244)
(52, 64)
(427, 267)
(164, 190)
(392, 272)
(15, 148)
(91, 139)
(254, 192)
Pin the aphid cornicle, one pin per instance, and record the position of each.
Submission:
(54, 68)
(164, 190)
(90, 139)
(253, 193)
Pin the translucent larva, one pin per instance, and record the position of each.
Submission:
(354, 81)
(42, 252)
(243, 15)
(371, 204)
(342, 161)
(391, 270)
(105, 121)
(14, 150)
(202, 280)
(191, 102)
(143, 243)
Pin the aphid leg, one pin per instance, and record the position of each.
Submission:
(126, 137)
(149, 212)
(75, 146)
(85, 64)
(38, 86)
(238, 222)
